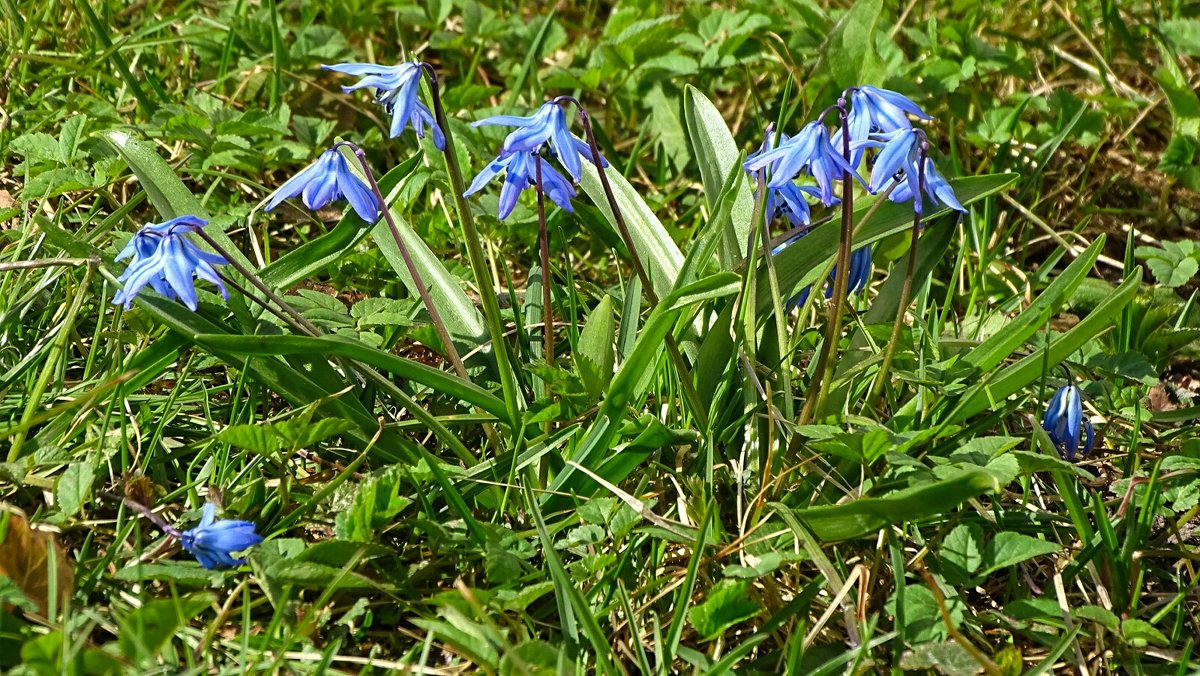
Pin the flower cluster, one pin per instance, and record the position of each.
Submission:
(396, 89)
(521, 153)
(873, 118)
(163, 258)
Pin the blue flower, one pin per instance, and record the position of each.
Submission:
(547, 126)
(809, 151)
(166, 260)
(789, 199)
(396, 89)
(326, 180)
(522, 173)
(861, 267)
(1064, 422)
(875, 110)
(213, 542)
(936, 188)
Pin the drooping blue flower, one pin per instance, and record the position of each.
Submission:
(547, 126)
(1064, 422)
(789, 199)
(326, 180)
(213, 542)
(396, 89)
(874, 110)
(811, 152)
(164, 259)
(900, 157)
(859, 274)
(521, 173)
(936, 187)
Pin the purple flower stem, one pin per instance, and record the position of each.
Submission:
(889, 351)
(422, 290)
(689, 388)
(823, 374)
(479, 267)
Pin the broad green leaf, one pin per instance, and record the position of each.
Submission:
(948, 658)
(1009, 548)
(717, 155)
(850, 55)
(462, 318)
(146, 629)
(190, 574)
(726, 604)
(435, 379)
(595, 355)
(961, 552)
(376, 502)
(1140, 633)
(73, 487)
(833, 523)
(655, 248)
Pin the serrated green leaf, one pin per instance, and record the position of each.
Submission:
(961, 552)
(948, 658)
(850, 55)
(726, 604)
(73, 487)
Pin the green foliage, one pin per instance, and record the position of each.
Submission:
(652, 496)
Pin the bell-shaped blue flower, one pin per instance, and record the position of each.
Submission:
(213, 542)
(811, 152)
(789, 199)
(874, 110)
(1065, 423)
(164, 259)
(936, 187)
(396, 89)
(547, 126)
(521, 173)
(326, 180)
(861, 266)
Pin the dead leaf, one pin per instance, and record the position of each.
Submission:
(24, 557)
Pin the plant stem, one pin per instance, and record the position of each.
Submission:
(422, 290)
(889, 351)
(544, 245)
(247, 274)
(479, 267)
(823, 375)
(689, 388)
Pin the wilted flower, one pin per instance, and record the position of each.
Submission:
(326, 180)
(521, 174)
(396, 89)
(809, 151)
(213, 542)
(1064, 422)
(859, 274)
(166, 260)
(547, 126)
